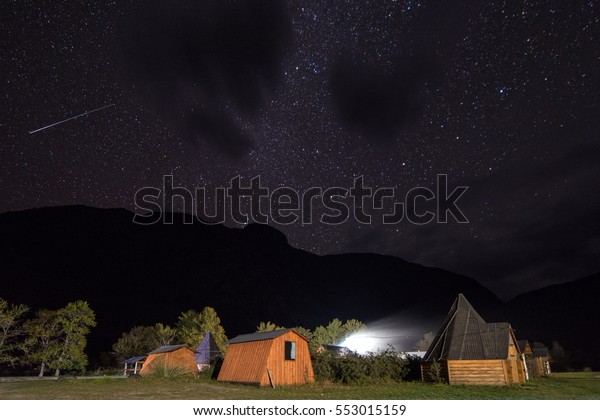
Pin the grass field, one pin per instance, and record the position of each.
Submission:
(580, 385)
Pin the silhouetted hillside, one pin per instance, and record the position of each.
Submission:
(140, 275)
(567, 313)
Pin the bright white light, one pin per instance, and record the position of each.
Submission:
(399, 332)
(365, 342)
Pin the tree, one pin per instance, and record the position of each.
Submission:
(305, 332)
(559, 357)
(74, 323)
(352, 326)
(193, 326)
(424, 342)
(138, 341)
(189, 328)
(212, 323)
(163, 335)
(41, 344)
(336, 331)
(268, 326)
(11, 329)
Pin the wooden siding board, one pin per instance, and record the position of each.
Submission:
(290, 372)
(248, 362)
(484, 372)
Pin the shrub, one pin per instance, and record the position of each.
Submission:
(435, 372)
(164, 370)
(353, 368)
(413, 366)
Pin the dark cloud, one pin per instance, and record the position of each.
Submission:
(530, 225)
(381, 94)
(376, 102)
(207, 65)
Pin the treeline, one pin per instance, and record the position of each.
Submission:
(352, 368)
(48, 339)
(333, 333)
(56, 340)
(190, 329)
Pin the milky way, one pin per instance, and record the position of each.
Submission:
(502, 96)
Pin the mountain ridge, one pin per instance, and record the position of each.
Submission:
(139, 275)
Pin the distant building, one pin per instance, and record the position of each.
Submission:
(526, 351)
(339, 351)
(207, 352)
(468, 350)
(270, 358)
(417, 353)
(179, 356)
(539, 362)
(133, 365)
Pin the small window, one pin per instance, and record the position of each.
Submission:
(290, 350)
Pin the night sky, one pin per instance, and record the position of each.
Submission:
(502, 96)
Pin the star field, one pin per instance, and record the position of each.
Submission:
(502, 97)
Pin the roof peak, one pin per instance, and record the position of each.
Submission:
(266, 335)
(465, 335)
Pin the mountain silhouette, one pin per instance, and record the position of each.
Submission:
(567, 313)
(139, 275)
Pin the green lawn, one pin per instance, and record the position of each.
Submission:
(581, 385)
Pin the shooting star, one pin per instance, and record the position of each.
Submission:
(71, 118)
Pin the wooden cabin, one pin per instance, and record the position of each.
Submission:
(468, 350)
(273, 358)
(178, 356)
(539, 362)
(526, 351)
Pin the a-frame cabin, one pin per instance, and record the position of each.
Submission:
(469, 350)
(207, 352)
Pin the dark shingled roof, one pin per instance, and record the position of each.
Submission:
(269, 335)
(135, 359)
(540, 352)
(167, 349)
(464, 335)
(523, 344)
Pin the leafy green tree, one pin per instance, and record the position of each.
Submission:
(74, 323)
(140, 340)
(189, 328)
(352, 326)
(212, 323)
(11, 330)
(305, 332)
(42, 345)
(164, 335)
(336, 331)
(193, 326)
(268, 326)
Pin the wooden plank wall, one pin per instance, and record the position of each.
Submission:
(150, 360)
(478, 372)
(515, 368)
(536, 367)
(290, 372)
(246, 362)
